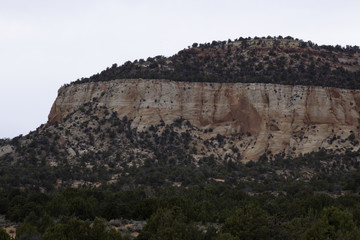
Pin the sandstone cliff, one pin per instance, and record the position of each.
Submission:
(280, 119)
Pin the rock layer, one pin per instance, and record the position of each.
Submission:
(281, 119)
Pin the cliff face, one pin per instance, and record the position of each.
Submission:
(280, 119)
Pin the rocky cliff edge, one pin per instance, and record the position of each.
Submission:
(280, 119)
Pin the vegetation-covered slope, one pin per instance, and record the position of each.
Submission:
(258, 60)
(213, 212)
(85, 150)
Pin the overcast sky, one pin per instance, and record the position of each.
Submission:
(47, 43)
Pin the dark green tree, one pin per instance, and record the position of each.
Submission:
(169, 224)
(333, 223)
(74, 229)
(4, 235)
(27, 231)
(249, 222)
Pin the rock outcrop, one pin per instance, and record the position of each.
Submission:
(281, 119)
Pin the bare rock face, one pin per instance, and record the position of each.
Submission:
(280, 119)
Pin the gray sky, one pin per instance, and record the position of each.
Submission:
(47, 43)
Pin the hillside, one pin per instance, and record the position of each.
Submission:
(245, 139)
(109, 132)
(95, 147)
(249, 60)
